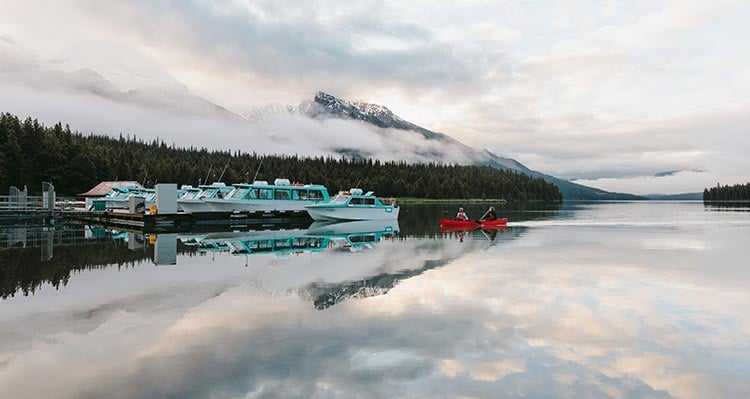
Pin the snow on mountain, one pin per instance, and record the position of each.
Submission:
(325, 105)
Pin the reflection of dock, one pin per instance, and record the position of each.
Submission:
(42, 236)
(182, 222)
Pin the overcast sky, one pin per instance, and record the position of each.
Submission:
(610, 92)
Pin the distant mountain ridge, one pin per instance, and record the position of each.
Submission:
(325, 105)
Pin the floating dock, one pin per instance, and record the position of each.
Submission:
(20, 208)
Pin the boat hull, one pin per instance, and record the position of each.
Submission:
(229, 205)
(353, 227)
(193, 206)
(471, 224)
(323, 212)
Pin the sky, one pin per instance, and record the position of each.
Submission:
(637, 96)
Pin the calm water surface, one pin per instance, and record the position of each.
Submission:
(618, 300)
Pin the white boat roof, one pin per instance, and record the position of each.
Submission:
(247, 185)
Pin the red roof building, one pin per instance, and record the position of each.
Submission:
(101, 189)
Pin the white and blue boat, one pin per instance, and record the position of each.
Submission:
(353, 205)
(261, 197)
(193, 201)
(118, 198)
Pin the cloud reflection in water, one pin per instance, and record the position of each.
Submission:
(560, 318)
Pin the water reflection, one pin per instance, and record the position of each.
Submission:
(31, 256)
(598, 300)
(352, 236)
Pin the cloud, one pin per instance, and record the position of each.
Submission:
(571, 91)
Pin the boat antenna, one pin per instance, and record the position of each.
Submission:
(225, 169)
(209, 173)
(258, 170)
(358, 181)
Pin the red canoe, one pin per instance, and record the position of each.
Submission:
(470, 224)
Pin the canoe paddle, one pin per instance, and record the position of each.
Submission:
(480, 219)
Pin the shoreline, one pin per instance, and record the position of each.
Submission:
(412, 200)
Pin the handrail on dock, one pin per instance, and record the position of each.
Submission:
(35, 203)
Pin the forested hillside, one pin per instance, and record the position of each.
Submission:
(31, 153)
(737, 192)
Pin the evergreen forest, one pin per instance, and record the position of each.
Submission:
(737, 192)
(32, 153)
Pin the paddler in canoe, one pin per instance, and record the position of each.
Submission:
(461, 215)
(489, 215)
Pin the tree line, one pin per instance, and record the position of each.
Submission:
(737, 192)
(31, 153)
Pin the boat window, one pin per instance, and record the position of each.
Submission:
(252, 193)
(365, 238)
(282, 244)
(238, 193)
(281, 194)
(299, 195)
(265, 193)
(315, 195)
(355, 201)
(299, 242)
(341, 198)
(315, 242)
(261, 245)
(210, 193)
(369, 201)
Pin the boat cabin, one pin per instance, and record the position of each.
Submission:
(281, 190)
(354, 197)
(215, 190)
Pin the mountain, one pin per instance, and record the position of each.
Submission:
(326, 125)
(325, 105)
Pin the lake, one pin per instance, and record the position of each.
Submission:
(583, 300)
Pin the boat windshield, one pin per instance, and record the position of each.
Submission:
(341, 198)
(190, 194)
(208, 193)
(238, 193)
(315, 195)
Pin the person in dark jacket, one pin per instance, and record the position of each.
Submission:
(490, 214)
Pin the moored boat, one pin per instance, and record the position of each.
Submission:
(119, 198)
(193, 201)
(261, 196)
(353, 205)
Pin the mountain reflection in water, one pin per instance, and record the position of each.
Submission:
(621, 300)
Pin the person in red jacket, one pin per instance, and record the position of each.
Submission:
(461, 215)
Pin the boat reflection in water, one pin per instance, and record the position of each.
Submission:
(320, 236)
